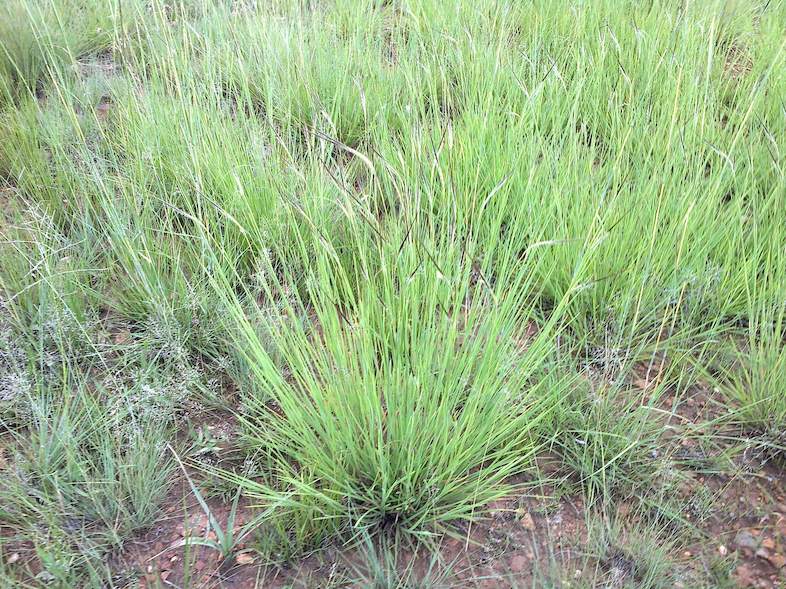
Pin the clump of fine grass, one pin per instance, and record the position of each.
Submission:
(40, 39)
(609, 442)
(84, 468)
(349, 432)
(751, 375)
(82, 475)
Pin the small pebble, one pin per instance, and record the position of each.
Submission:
(745, 539)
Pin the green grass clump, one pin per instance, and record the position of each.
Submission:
(609, 443)
(42, 39)
(757, 385)
(383, 409)
(750, 370)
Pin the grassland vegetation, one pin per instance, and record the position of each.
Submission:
(407, 249)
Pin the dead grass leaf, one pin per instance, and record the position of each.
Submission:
(738, 61)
